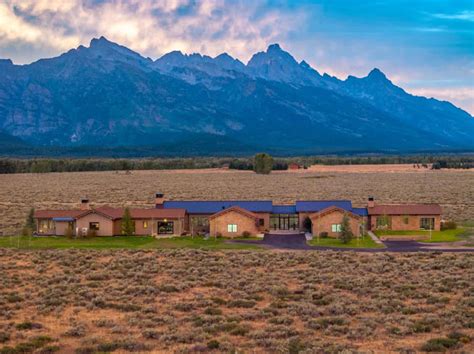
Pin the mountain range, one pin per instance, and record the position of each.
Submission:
(108, 96)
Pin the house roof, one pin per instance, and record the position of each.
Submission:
(212, 207)
(284, 209)
(234, 209)
(135, 213)
(405, 209)
(360, 211)
(317, 205)
(333, 208)
(112, 213)
(50, 214)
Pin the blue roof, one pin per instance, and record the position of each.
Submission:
(317, 205)
(63, 219)
(284, 209)
(211, 207)
(360, 211)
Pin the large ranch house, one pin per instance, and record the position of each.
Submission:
(238, 218)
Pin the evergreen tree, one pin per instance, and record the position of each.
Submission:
(263, 163)
(30, 223)
(346, 233)
(128, 225)
(307, 224)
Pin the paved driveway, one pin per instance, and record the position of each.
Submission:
(298, 242)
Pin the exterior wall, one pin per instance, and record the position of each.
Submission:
(61, 227)
(302, 216)
(192, 229)
(106, 226)
(218, 225)
(398, 222)
(324, 223)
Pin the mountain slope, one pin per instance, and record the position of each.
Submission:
(108, 95)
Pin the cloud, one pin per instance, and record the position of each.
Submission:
(459, 96)
(463, 16)
(152, 28)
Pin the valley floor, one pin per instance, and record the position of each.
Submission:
(195, 300)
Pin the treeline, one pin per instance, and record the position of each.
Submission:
(452, 164)
(248, 165)
(80, 165)
(45, 165)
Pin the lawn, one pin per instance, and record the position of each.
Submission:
(436, 236)
(119, 242)
(364, 242)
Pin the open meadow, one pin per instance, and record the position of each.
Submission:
(89, 301)
(453, 189)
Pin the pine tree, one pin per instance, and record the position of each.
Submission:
(346, 233)
(263, 163)
(30, 223)
(128, 225)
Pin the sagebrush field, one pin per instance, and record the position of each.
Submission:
(453, 189)
(194, 300)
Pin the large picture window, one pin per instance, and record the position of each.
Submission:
(336, 227)
(384, 222)
(232, 228)
(165, 227)
(94, 226)
(427, 223)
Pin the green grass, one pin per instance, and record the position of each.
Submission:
(364, 242)
(119, 242)
(436, 236)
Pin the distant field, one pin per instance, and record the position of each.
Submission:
(454, 189)
(188, 301)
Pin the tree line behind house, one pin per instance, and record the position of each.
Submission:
(46, 165)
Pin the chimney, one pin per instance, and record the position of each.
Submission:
(159, 200)
(85, 204)
(370, 202)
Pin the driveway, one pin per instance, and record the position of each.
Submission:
(298, 242)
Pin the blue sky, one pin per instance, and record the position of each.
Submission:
(427, 47)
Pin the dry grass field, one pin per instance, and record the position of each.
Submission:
(193, 300)
(454, 190)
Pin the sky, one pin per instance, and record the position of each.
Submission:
(424, 46)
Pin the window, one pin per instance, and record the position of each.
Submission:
(232, 228)
(384, 222)
(200, 221)
(261, 222)
(94, 226)
(165, 227)
(406, 219)
(427, 223)
(336, 228)
(145, 224)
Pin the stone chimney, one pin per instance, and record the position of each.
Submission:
(159, 200)
(85, 204)
(370, 202)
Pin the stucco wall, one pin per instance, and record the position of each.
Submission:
(324, 223)
(398, 222)
(218, 225)
(106, 226)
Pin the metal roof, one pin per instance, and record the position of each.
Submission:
(63, 219)
(360, 211)
(317, 205)
(284, 209)
(211, 207)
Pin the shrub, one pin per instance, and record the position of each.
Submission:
(213, 311)
(4, 337)
(449, 225)
(246, 234)
(439, 344)
(323, 234)
(23, 326)
(213, 344)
